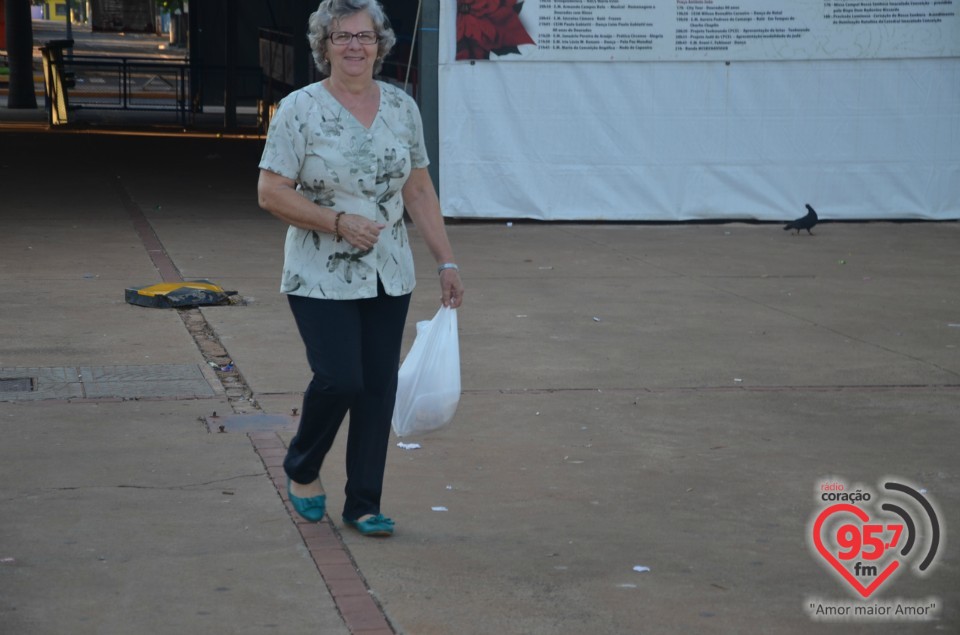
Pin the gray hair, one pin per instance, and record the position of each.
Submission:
(329, 11)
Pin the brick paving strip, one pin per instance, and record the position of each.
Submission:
(360, 612)
(238, 392)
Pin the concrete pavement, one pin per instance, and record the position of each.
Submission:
(662, 397)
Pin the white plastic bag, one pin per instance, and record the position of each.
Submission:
(428, 385)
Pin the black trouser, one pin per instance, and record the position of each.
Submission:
(353, 347)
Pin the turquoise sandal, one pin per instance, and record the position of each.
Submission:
(377, 526)
(311, 508)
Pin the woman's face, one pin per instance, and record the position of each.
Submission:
(352, 59)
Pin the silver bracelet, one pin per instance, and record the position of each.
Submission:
(447, 265)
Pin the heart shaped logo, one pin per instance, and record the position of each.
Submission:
(856, 546)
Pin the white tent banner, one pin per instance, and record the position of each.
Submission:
(671, 141)
(690, 30)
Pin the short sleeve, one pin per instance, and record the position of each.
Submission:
(284, 149)
(418, 148)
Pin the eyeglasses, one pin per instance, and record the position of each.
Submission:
(341, 38)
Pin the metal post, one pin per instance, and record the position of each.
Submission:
(69, 27)
(230, 81)
(429, 92)
(195, 54)
(124, 82)
(302, 61)
(182, 96)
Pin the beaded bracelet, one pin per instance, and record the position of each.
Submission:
(336, 227)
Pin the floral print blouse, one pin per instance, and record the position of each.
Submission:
(340, 164)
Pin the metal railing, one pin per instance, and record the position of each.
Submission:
(145, 84)
(128, 83)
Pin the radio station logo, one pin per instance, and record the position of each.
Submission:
(868, 539)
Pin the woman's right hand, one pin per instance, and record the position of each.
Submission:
(359, 231)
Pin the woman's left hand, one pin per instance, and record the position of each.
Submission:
(451, 287)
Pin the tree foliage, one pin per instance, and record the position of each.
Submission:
(169, 6)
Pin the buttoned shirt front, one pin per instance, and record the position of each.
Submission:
(339, 163)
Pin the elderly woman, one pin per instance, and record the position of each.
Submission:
(342, 159)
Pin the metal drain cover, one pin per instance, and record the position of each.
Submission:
(252, 423)
(16, 384)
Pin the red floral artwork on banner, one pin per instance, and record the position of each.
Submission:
(489, 26)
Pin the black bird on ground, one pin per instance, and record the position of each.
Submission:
(805, 222)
